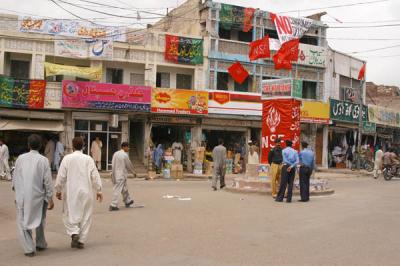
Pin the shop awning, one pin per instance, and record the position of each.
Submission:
(31, 125)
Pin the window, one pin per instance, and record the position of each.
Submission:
(273, 34)
(137, 79)
(20, 69)
(183, 81)
(224, 34)
(57, 78)
(114, 75)
(312, 40)
(309, 90)
(162, 80)
(242, 87)
(245, 36)
(81, 79)
(222, 81)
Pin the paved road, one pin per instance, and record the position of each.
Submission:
(359, 225)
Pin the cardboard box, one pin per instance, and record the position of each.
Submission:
(176, 167)
(209, 168)
(177, 174)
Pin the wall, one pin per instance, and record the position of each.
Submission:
(175, 70)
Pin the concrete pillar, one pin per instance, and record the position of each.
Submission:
(325, 147)
(2, 57)
(37, 66)
(147, 136)
(195, 142)
(150, 75)
(68, 131)
(125, 131)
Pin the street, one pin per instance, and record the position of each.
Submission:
(358, 225)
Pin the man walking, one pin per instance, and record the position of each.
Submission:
(219, 159)
(76, 179)
(58, 154)
(290, 161)
(121, 166)
(4, 157)
(307, 163)
(378, 162)
(275, 160)
(33, 196)
(49, 151)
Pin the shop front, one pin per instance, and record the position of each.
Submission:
(103, 116)
(343, 132)
(314, 118)
(175, 122)
(387, 123)
(23, 103)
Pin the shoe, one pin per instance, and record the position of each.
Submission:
(128, 205)
(112, 208)
(303, 200)
(40, 249)
(278, 200)
(80, 245)
(222, 186)
(214, 188)
(32, 254)
(288, 201)
(74, 241)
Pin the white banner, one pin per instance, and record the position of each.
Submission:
(290, 28)
(101, 49)
(71, 28)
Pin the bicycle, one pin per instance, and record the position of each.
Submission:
(362, 162)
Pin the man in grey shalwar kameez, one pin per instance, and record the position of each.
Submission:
(219, 160)
(121, 166)
(33, 196)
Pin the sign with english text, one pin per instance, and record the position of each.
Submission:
(280, 119)
(290, 28)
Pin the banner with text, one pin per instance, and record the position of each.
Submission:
(290, 28)
(173, 101)
(278, 88)
(346, 111)
(22, 93)
(383, 116)
(91, 73)
(94, 49)
(92, 95)
(280, 119)
(71, 28)
(235, 103)
(183, 50)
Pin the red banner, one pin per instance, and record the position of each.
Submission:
(37, 92)
(280, 119)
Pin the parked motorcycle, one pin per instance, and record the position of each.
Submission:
(389, 172)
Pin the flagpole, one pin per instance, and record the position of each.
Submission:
(360, 123)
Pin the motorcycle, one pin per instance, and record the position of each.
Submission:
(390, 171)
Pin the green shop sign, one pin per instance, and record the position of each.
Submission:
(347, 111)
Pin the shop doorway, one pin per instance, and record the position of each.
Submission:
(109, 136)
(230, 138)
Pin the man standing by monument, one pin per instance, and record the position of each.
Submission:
(307, 163)
(290, 161)
(219, 159)
(275, 160)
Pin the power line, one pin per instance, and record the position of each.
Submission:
(377, 49)
(367, 26)
(335, 6)
(73, 14)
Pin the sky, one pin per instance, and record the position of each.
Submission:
(382, 64)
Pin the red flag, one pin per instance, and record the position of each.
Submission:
(238, 72)
(248, 19)
(259, 49)
(281, 62)
(361, 74)
(288, 52)
(171, 48)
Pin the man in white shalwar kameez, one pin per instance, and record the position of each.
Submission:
(4, 157)
(33, 196)
(121, 166)
(95, 150)
(58, 154)
(49, 151)
(76, 180)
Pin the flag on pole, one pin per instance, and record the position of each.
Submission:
(361, 74)
(238, 72)
(259, 49)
